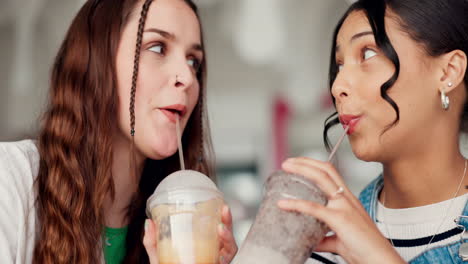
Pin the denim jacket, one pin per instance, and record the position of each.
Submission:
(444, 255)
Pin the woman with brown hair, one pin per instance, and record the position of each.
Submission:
(125, 71)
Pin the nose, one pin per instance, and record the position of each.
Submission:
(341, 87)
(183, 74)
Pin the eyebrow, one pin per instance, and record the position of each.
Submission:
(356, 36)
(161, 32)
(197, 47)
(165, 34)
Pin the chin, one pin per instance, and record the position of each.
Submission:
(161, 151)
(364, 153)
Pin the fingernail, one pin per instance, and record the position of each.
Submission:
(146, 224)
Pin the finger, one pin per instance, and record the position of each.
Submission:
(150, 241)
(335, 221)
(325, 166)
(225, 257)
(328, 244)
(228, 243)
(315, 174)
(226, 217)
(318, 211)
(334, 175)
(222, 259)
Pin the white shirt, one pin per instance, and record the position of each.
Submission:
(19, 165)
(409, 225)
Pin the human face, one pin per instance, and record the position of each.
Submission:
(171, 54)
(363, 68)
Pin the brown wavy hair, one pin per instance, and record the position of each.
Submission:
(75, 141)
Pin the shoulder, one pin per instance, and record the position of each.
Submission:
(19, 163)
(17, 153)
(19, 166)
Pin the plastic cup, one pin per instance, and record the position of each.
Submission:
(186, 207)
(278, 236)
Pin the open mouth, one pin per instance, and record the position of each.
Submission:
(173, 112)
(350, 121)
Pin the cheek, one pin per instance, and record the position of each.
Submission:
(123, 93)
(378, 73)
(414, 96)
(194, 96)
(153, 79)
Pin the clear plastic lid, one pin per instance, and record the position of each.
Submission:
(184, 186)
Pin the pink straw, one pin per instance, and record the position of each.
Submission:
(335, 148)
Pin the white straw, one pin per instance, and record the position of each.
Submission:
(335, 148)
(179, 143)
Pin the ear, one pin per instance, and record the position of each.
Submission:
(453, 65)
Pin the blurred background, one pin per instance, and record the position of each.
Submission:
(267, 85)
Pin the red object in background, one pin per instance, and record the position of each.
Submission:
(281, 116)
(326, 101)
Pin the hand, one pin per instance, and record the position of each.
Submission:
(150, 241)
(356, 239)
(228, 246)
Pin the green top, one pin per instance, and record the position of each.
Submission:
(114, 244)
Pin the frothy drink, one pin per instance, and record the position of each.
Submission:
(278, 236)
(203, 253)
(188, 233)
(187, 216)
(252, 253)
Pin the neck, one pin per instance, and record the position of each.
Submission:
(431, 176)
(125, 183)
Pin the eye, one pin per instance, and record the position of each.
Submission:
(194, 63)
(368, 53)
(340, 66)
(158, 48)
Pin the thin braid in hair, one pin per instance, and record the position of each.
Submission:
(200, 159)
(136, 62)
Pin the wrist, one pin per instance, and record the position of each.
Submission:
(390, 257)
(385, 254)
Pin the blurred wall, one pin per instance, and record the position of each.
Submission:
(30, 35)
(258, 51)
(240, 89)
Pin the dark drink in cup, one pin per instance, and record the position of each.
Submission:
(282, 237)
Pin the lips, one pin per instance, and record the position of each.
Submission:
(350, 121)
(172, 111)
